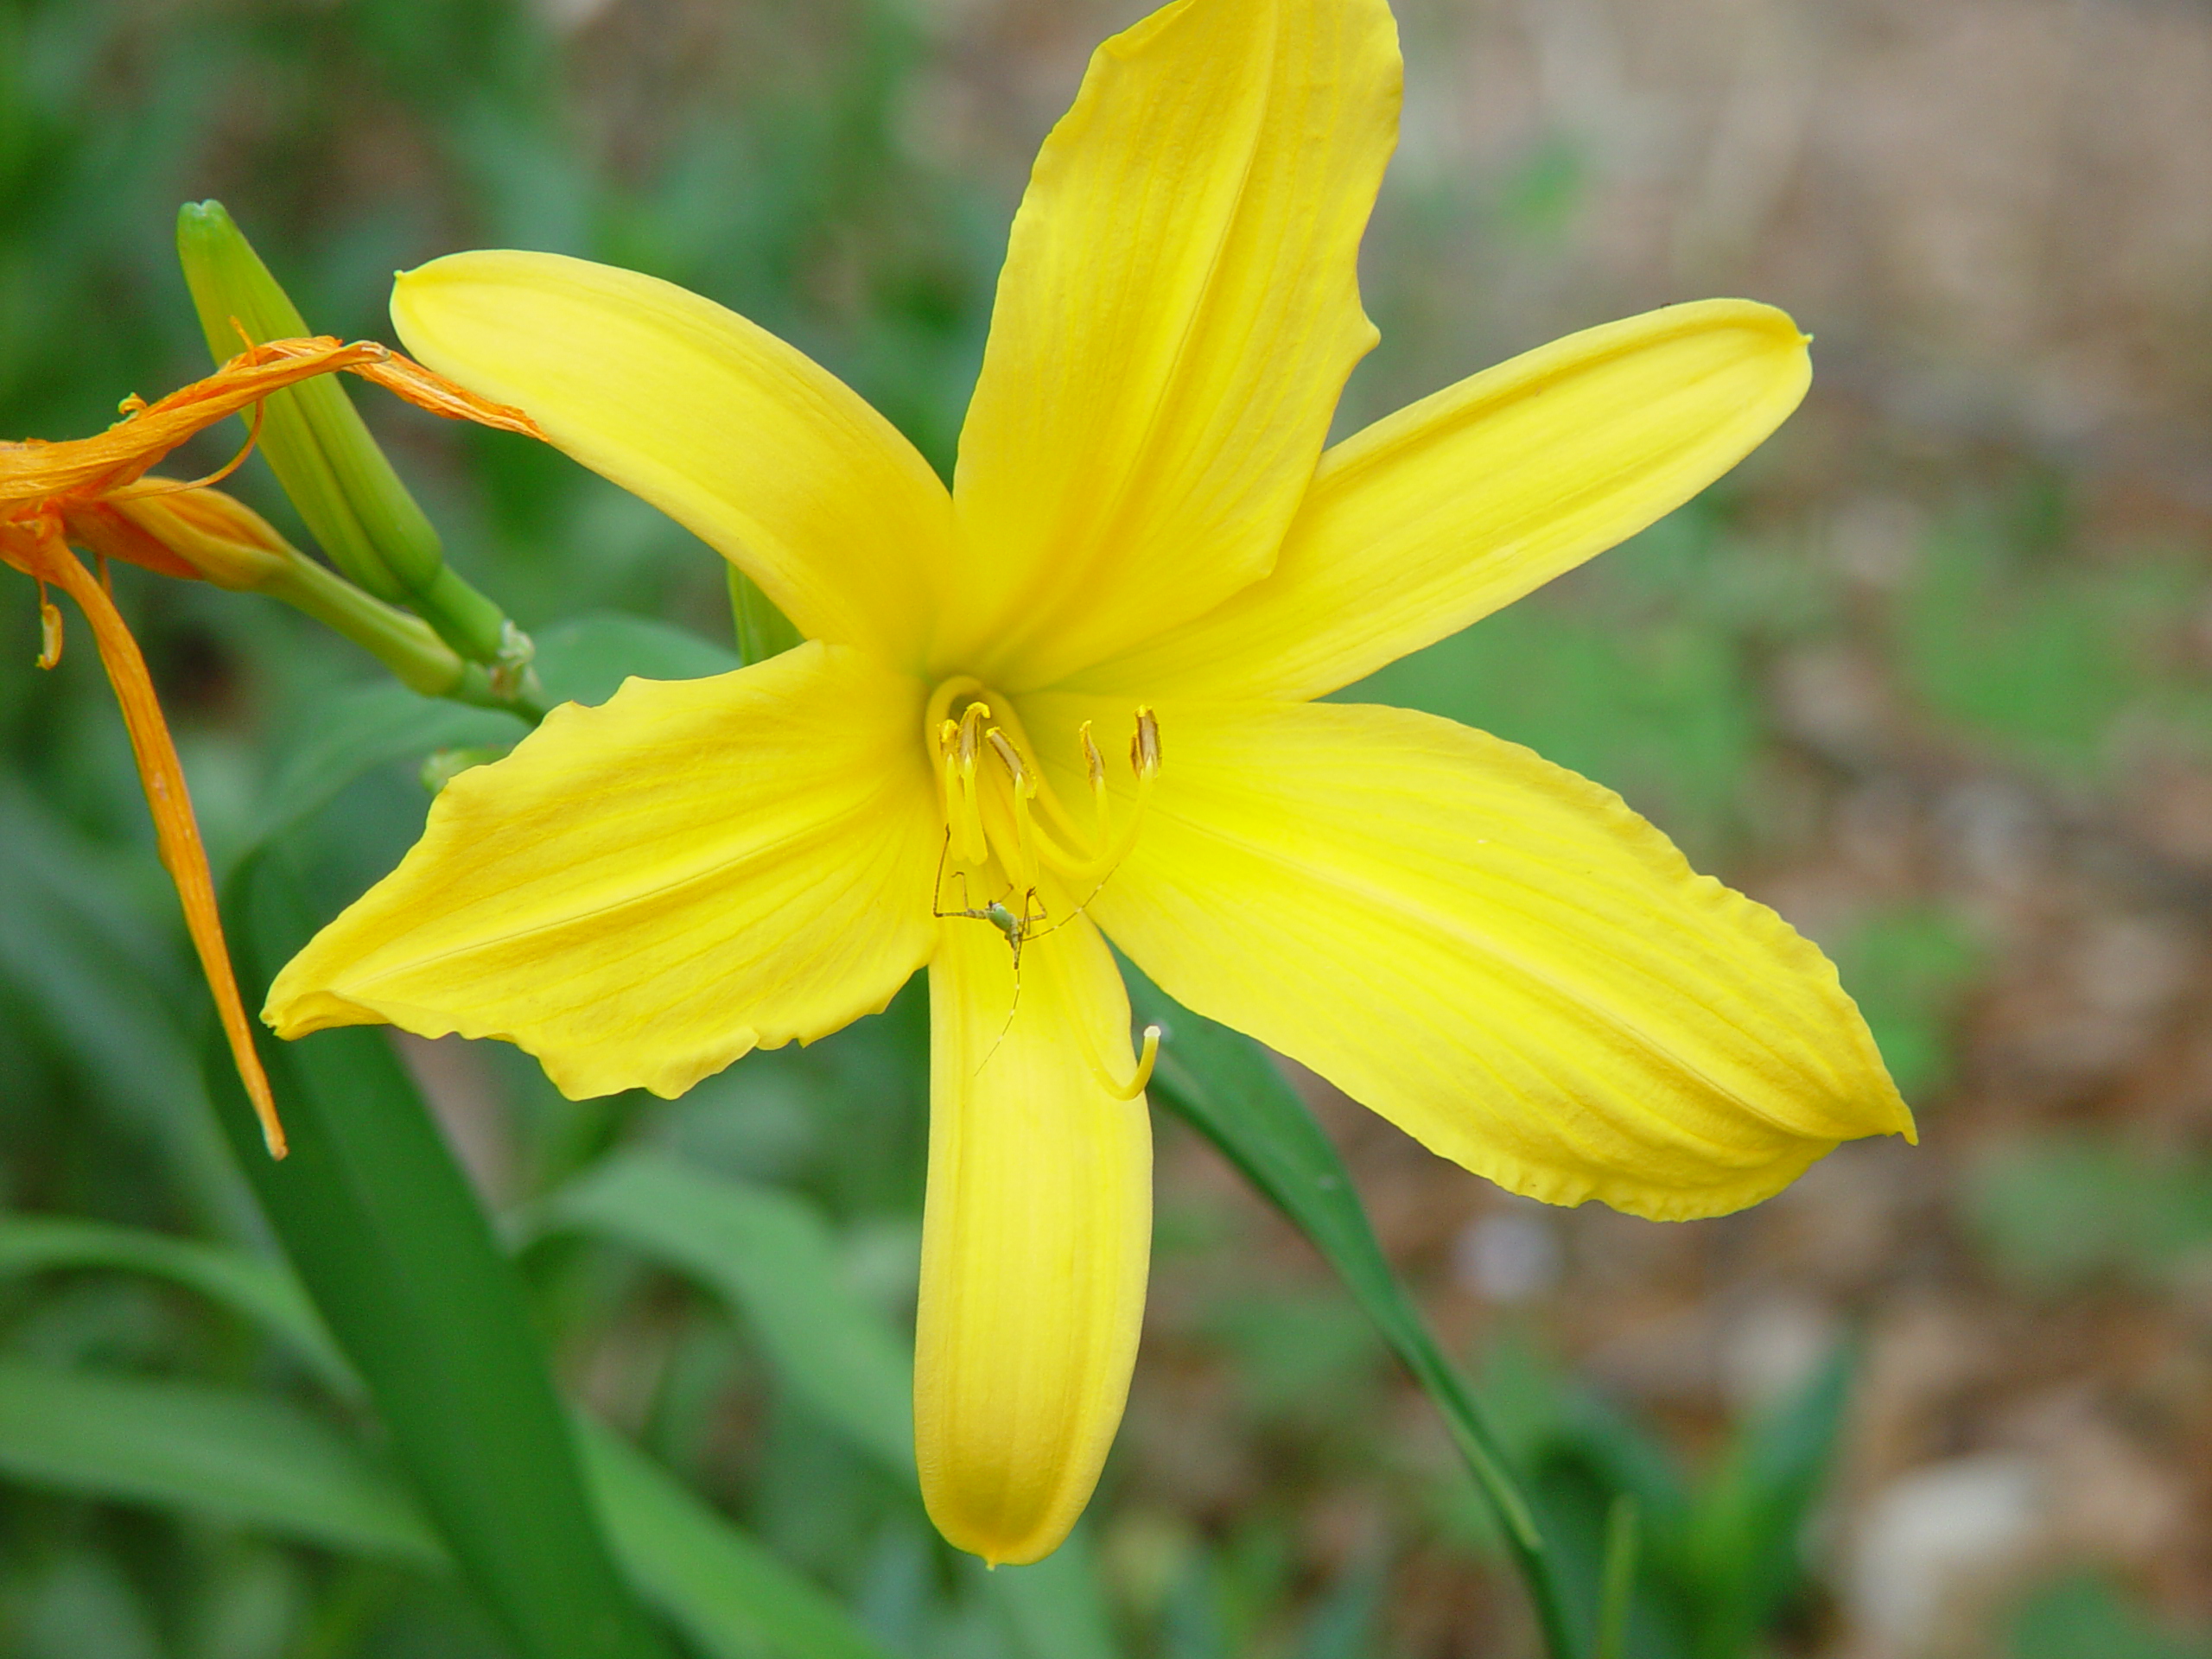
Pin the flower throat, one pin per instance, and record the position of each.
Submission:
(1001, 811)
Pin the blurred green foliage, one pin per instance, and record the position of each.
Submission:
(1721, 1565)
(2080, 1616)
(2058, 1212)
(2048, 659)
(1910, 967)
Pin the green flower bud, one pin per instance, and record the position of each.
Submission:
(314, 440)
(345, 488)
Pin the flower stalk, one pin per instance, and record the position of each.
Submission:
(228, 545)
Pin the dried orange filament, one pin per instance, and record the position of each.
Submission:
(51, 492)
(45, 488)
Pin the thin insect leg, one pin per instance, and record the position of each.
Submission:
(936, 897)
(1012, 1008)
(1072, 914)
(936, 891)
(1033, 912)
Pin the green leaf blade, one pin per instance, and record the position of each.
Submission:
(174, 1444)
(390, 1243)
(1224, 1086)
(772, 1259)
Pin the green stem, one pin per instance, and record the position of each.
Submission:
(405, 644)
(416, 656)
(1224, 1086)
(1617, 1595)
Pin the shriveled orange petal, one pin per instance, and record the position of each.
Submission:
(177, 832)
(35, 470)
(97, 526)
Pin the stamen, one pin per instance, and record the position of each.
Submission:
(1144, 760)
(1095, 764)
(1025, 837)
(948, 775)
(975, 848)
(1144, 747)
(1010, 756)
(1104, 1079)
(49, 630)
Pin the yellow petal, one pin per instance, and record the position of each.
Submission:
(764, 454)
(1494, 953)
(643, 891)
(1463, 502)
(1178, 312)
(1035, 1238)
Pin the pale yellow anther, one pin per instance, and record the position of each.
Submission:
(49, 630)
(971, 735)
(1010, 757)
(1144, 747)
(1092, 760)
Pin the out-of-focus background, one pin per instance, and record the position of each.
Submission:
(1932, 674)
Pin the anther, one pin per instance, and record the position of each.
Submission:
(49, 630)
(971, 735)
(1092, 760)
(1011, 759)
(1144, 747)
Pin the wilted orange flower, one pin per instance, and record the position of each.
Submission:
(94, 493)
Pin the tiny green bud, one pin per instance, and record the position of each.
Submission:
(441, 767)
(762, 630)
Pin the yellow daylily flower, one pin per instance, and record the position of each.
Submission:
(1144, 538)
